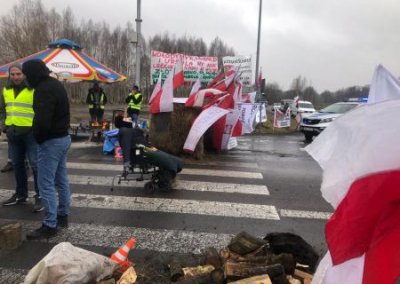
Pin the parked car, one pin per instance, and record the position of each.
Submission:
(304, 108)
(317, 122)
(276, 106)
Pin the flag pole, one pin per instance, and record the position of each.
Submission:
(258, 44)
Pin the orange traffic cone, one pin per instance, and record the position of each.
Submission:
(121, 255)
(118, 151)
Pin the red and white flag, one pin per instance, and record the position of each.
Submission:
(157, 88)
(359, 153)
(220, 76)
(223, 85)
(296, 100)
(179, 78)
(196, 87)
(164, 99)
(198, 99)
(205, 119)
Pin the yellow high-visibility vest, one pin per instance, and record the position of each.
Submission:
(19, 110)
(132, 105)
(101, 101)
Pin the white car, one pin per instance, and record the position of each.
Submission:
(305, 108)
(317, 122)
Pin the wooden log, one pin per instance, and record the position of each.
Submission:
(198, 270)
(259, 279)
(303, 276)
(244, 243)
(226, 254)
(10, 236)
(212, 257)
(175, 269)
(218, 276)
(293, 280)
(286, 260)
(235, 270)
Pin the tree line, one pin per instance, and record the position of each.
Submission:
(29, 26)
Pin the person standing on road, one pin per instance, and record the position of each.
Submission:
(8, 167)
(134, 101)
(50, 129)
(96, 100)
(16, 120)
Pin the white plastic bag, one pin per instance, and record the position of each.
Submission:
(68, 264)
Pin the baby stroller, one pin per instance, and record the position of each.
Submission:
(143, 162)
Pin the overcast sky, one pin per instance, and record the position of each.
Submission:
(333, 43)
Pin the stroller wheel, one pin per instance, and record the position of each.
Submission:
(149, 187)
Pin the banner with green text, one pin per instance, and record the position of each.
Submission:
(193, 66)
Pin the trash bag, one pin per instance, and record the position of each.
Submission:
(68, 264)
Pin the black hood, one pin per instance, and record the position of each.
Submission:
(35, 71)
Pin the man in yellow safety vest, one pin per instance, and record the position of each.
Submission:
(96, 100)
(134, 101)
(16, 119)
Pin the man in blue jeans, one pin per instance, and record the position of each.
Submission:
(16, 119)
(50, 129)
(134, 101)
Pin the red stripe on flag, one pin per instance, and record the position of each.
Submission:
(382, 262)
(155, 104)
(369, 212)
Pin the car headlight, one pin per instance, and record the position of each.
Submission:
(326, 120)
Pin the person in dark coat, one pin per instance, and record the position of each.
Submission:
(50, 129)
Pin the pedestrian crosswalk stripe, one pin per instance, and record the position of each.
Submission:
(305, 214)
(219, 173)
(180, 185)
(182, 206)
(235, 164)
(160, 240)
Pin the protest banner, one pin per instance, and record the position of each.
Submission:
(281, 119)
(243, 65)
(194, 67)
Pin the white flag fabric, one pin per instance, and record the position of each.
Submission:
(206, 118)
(384, 86)
(196, 87)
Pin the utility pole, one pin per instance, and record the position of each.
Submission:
(138, 21)
(258, 44)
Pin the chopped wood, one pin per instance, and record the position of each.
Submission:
(259, 279)
(218, 276)
(293, 280)
(285, 259)
(175, 269)
(226, 254)
(198, 270)
(302, 275)
(261, 251)
(244, 243)
(10, 236)
(128, 277)
(244, 270)
(212, 257)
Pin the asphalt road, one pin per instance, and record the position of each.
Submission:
(267, 184)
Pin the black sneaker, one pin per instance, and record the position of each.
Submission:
(7, 168)
(62, 221)
(42, 232)
(13, 200)
(38, 206)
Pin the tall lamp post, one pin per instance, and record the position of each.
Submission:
(258, 44)
(138, 21)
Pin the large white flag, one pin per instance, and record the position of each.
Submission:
(384, 86)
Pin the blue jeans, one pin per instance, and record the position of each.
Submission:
(9, 152)
(52, 172)
(135, 118)
(20, 147)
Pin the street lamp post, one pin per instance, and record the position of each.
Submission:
(138, 21)
(258, 43)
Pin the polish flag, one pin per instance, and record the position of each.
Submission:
(223, 85)
(178, 76)
(220, 76)
(359, 153)
(164, 100)
(156, 89)
(196, 87)
(198, 99)
(296, 100)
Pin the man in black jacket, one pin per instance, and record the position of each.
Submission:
(50, 129)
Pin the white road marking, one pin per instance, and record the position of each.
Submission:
(219, 173)
(181, 206)
(180, 185)
(305, 214)
(160, 240)
(224, 164)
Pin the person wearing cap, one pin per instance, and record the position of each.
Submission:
(134, 101)
(16, 120)
(96, 100)
(50, 129)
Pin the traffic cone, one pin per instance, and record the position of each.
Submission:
(118, 152)
(121, 255)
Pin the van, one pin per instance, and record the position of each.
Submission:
(305, 108)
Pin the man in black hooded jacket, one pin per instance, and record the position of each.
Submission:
(50, 129)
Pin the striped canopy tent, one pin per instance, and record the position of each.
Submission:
(66, 59)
